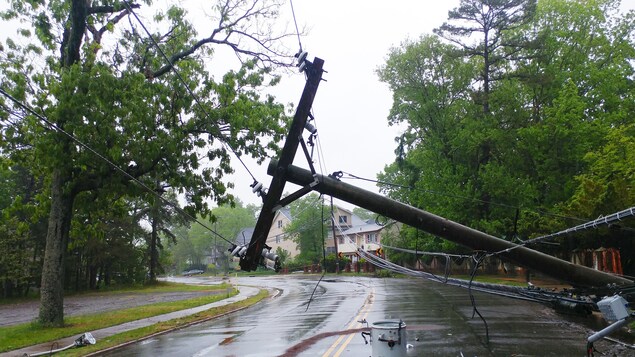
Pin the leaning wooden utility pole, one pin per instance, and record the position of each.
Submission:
(576, 275)
(254, 254)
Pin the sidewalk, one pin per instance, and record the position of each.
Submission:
(245, 292)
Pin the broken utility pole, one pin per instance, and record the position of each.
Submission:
(576, 275)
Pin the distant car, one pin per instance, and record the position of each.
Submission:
(192, 272)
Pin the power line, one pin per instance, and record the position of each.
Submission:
(321, 155)
(296, 25)
(426, 253)
(607, 220)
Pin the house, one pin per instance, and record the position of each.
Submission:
(244, 236)
(351, 232)
(277, 236)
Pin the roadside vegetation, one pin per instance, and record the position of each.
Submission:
(28, 334)
(157, 287)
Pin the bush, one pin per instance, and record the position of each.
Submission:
(331, 260)
(382, 273)
(294, 264)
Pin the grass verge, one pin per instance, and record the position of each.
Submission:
(28, 334)
(158, 287)
(163, 327)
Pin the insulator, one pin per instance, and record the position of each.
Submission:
(242, 251)
(269, 255)
(302, 67)
(256, 188)
(310, 127)
(235, 250)
(301, 57)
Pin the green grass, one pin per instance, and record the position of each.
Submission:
(28, 334)
(158, 287)
(166, 326)
(259, 272)
(492, 279)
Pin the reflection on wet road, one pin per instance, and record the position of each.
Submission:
(439, 320)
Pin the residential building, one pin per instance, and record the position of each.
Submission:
(277, 236)
(351, 232)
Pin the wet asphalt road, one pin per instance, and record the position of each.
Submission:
(438, 319)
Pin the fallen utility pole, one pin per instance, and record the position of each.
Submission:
(576, 275)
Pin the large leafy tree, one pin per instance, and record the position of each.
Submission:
(578, 84)
(431, 95)
(535, 139)
(483, 30)
(102, 84)
(490, 21)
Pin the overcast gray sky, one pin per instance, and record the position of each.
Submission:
(353, 38)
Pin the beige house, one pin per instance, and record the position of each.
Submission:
(277, 237)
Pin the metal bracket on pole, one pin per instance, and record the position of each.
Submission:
(253, 256)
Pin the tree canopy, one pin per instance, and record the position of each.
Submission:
(517, 125)
(308, 228)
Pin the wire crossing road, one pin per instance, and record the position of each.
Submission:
(438, 319)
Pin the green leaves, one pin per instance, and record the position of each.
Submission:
(542, 135)
(609, 184)
(121, 108)
(308, 228)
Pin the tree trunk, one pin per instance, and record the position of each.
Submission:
(107, 275)
(154, 256)
(78, 271)
(92, 277)
(52, 290)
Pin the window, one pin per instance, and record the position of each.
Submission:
(340, 240)
(278, 238)
(280, 224)
(343, 219)
(371, 238)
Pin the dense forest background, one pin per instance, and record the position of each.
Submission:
(519, 117)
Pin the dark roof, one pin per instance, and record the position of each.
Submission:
(244, 236)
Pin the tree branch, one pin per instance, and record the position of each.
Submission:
(105, 9)
(235, 20)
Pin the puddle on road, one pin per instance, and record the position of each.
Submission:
(149, 341)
